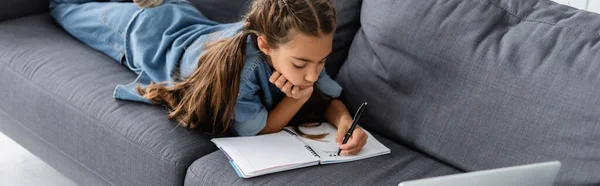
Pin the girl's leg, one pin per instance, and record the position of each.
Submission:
(99, 25)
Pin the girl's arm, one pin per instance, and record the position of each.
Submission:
(282, 114)
(337, 113)
(288, 106)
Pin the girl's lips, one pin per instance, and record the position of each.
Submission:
(305, 86)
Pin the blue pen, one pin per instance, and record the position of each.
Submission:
(354, 123)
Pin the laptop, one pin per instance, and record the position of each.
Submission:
(538, 174)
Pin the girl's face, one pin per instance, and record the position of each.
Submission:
(300, 60)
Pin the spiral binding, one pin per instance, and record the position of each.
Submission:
(312, 151)
(288, 131)
(305, 146)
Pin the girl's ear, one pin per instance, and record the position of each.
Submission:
(263, 45)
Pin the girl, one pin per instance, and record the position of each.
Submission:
(251, 76)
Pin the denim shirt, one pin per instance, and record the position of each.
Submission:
(169, 49)
(257, 96)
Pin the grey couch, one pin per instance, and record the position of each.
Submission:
(452, 85)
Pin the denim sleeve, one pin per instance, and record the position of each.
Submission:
(250, 114)
(328, 86)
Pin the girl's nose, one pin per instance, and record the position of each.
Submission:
(312, 76)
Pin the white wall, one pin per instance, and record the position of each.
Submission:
(594, 6)
(581, 4)
(590, 5)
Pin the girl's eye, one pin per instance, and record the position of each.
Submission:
(296, 66)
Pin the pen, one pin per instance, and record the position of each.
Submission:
(354, 123)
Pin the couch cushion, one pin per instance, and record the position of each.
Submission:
(61, 91)
(482, 84)
(401, 165)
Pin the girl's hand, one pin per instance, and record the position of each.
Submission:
(357, 140)
(288, 88)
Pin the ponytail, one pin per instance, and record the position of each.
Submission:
(209, 94)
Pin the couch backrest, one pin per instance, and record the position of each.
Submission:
(481, 84)
(222, 11)
(10, 9)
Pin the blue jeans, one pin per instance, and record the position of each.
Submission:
(100, 25)
(151, 42)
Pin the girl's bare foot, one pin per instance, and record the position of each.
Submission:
(148, 3)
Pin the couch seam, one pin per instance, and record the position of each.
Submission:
(97, 120)
(55, 148)
(191, 172)
(538, 21)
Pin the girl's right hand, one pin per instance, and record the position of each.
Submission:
(288, 88)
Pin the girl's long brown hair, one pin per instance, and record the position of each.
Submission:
(209, 94)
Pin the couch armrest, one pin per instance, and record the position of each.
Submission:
(10, 9)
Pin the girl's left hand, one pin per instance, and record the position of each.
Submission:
(357, 140)
(288, 88)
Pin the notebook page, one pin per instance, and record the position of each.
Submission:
(254, 154)
(279, 169)
(270, 170)
(327, 148)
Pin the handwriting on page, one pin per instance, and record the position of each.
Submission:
(331, 153)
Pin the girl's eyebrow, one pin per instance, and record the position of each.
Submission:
(308, 60)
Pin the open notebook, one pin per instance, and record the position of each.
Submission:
(264, 154)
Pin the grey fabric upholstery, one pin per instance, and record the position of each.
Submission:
(348, 22)
(482, 84)
(16, 8)
(60, 91)
(223, 11)
(47, 152)
(401, 165)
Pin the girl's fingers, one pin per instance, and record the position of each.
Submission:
(274, 77)
(295, 90)
(287, 89)
(280, 82)
(352, 143)
(305, 92)
(350, 152)
(353, 152)
(356, 142)
(356, 149)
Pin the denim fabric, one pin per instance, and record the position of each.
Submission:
(253, 103)
(157, 43)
